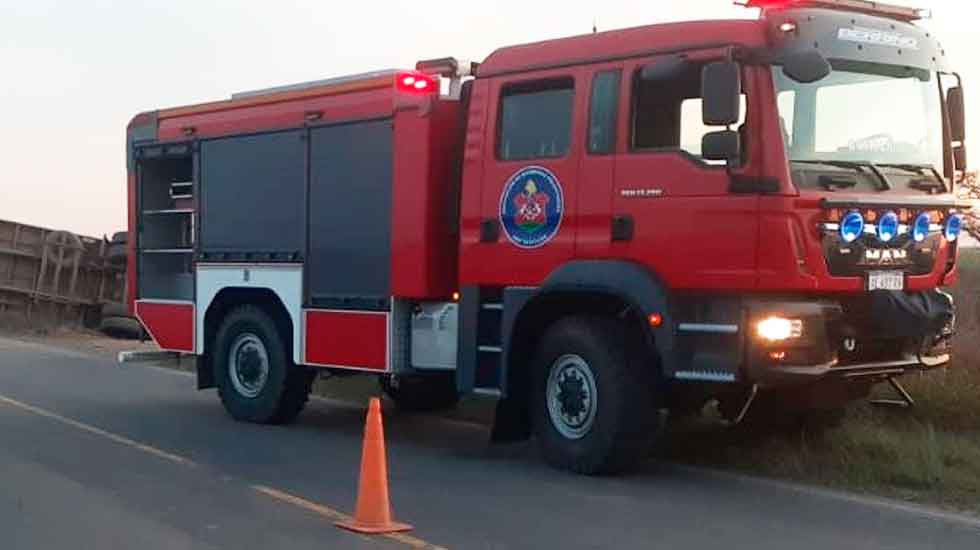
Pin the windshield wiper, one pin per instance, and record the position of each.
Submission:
(831, 183)
(883, 183)
(939, 184)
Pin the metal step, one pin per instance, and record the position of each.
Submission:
(488, 392)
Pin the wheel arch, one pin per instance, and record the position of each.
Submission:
(229, 298)
(278, 289)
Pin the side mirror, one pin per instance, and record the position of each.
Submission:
(957, 114)
(806, 67)
(959, 158)
(664, 69)
(721, 90)
(724, 145)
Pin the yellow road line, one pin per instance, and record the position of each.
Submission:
(334, 515)
(100, 432)
(281, 496)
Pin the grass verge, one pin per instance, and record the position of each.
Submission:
(928, 454)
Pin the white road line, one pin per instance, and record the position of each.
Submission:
(334, 515)
(865, 500)
(281, 496)
(100, 432)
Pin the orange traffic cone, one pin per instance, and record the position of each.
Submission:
(373, 513)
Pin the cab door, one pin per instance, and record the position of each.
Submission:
(677, 212)
(596, 225)
(529, 192)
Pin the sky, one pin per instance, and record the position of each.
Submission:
(72, 73)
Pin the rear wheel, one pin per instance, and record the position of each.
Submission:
(595, 403)
(256, 378)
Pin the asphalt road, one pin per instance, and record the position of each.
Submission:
(93, 455)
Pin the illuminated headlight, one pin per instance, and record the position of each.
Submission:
(776, 329)
(920, 229)
(851, 227)
(953, 227)
(888, 227)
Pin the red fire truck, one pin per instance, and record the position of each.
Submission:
(594, 229)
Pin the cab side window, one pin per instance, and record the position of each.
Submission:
(667, 112)
(536, 119)
(603, 110)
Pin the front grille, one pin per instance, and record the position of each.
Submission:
(868, 254)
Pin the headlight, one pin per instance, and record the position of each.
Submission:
(953, 227)
(776, 329)
(851, 227)
(920, 229)
(888, 227)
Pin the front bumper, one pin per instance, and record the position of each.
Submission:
(866, 337)
(872, 337)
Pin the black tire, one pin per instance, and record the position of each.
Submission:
(125, 328)
(626, 422)
(286, 389)
(429, 393)
(117, 253)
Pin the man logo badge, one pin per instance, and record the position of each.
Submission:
(886, 256)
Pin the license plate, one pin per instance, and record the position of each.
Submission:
(886, 280)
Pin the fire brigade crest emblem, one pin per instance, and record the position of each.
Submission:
(531, 207)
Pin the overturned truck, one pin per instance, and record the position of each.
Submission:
(50, 276)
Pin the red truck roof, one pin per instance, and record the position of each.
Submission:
(620, 43)
(345, 98)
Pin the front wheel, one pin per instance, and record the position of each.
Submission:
(256, 377)
(595, 402)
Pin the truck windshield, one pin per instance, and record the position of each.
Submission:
(864, 113)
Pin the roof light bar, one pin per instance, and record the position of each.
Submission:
(416, 82)
(862, 6)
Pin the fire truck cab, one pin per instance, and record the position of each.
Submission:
(594, 229)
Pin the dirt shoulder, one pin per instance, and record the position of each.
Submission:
(85, 341)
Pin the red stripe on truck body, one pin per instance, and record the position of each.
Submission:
(346, 339)
(171, 324)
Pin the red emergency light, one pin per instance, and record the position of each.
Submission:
(416, 82)
(862, 6)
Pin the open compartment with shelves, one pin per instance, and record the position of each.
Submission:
(167, 213)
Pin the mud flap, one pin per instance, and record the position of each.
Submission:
(205, 374)
(512, 421)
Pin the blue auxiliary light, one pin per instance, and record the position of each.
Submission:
(953, 227)
(920, 228)
(851, 227)
(888, 227)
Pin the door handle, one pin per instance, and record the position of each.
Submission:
(622, 228)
